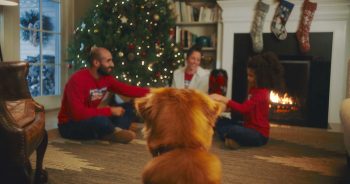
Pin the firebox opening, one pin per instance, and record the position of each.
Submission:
(292, 106)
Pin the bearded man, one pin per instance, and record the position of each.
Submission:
(81, 116)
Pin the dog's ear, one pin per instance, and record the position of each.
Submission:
(142, 105)
(221, 108)
(216, 110)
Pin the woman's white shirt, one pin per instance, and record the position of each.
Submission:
(200, 79)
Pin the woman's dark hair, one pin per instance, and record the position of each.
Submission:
(194, 48)
(268, 71)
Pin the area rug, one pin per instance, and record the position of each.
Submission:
(293, 155)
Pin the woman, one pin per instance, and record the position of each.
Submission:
(192, 75)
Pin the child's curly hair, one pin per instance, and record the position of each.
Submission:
(268, 71)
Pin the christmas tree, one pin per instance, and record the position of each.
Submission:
(139, 34)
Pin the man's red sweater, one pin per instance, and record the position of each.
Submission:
(83, 93)
(255, 110)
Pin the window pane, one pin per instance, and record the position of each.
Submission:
(30, 46)
(29, 14)
(51, 69)
(51, 15)
(51, 50)
(34, 80)
(51, 79)
(40, 44)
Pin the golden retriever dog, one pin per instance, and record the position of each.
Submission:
(178, 129)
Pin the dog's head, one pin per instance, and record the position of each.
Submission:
(178, 117)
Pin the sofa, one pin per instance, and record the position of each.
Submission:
(345, 117)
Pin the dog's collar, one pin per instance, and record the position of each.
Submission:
(161, 149)
(166, 148)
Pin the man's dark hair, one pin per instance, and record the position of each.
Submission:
(194, 48)
(269, 72)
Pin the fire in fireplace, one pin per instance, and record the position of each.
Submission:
(285, 108)
(291, 106)
(282, 104)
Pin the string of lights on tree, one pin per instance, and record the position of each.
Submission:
(140, 35)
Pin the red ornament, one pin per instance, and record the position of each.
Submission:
(143, 54)
(158, 74)
(69, 66)
(131, 46)
(158, 42)
(171, 34)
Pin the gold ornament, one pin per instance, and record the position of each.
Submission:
(176, 49)
(96, 31)
(131, 56)
(120, 54)
(156, 17)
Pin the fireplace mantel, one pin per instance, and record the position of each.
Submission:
(242, 10)
(330, 16)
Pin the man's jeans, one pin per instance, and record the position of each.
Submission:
(99, 126)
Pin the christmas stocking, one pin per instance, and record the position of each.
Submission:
(309, 9)
(280, 19)
(258, 23)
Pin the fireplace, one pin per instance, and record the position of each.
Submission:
(331, 17)
(307, 77)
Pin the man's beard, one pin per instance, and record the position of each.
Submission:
(103, 70)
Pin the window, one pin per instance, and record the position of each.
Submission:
(40, 45)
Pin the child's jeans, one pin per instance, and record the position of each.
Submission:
(227, 128)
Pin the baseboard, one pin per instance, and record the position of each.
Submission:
(335, 127)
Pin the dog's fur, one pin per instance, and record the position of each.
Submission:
(179, 126)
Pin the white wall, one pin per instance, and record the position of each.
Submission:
(331, 16)
(10, 33)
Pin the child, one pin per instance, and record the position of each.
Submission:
(264, 73)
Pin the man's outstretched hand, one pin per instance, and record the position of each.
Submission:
(117, 111)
